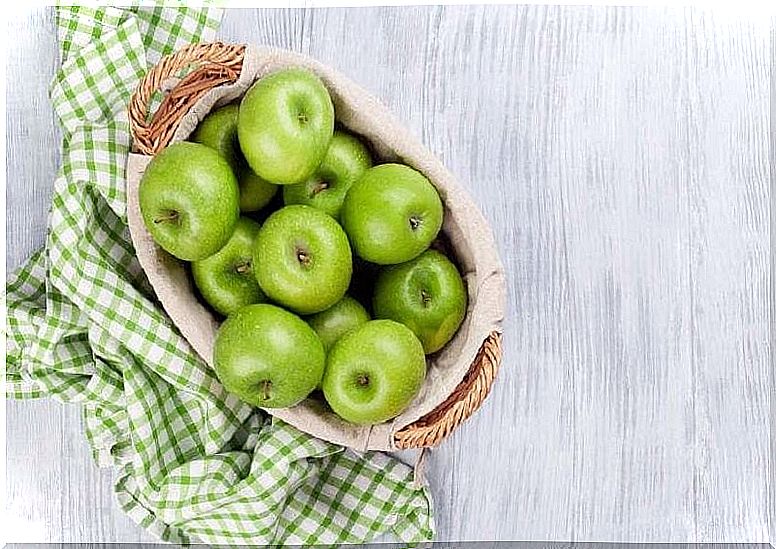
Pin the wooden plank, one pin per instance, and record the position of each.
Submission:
(728, 191)
(621, 155)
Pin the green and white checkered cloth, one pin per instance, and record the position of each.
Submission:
(195, 464)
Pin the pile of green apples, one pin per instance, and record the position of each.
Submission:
(321, 262)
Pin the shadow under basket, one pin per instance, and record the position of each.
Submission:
(185, 87)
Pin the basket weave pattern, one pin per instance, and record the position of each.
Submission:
(215, 64)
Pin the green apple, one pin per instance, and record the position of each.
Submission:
(284, 126)
(391, 214)
(268, 357)
(425, 294)
(337, 320)
(373, 372)
(218, 131)
(263, 214)
(189, 200)
(346, 159)
(225, 279)
(255, 193)
(302, 259)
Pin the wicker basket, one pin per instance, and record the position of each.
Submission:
(207, 66)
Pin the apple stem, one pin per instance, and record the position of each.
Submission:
(303, 257)
(266, 386)
(172, 215)
(319, 187)
(414, 223)
(425, 297)
(243, 268)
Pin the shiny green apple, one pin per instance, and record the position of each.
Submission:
(255, 192)
(302, 259)
(339, 319)
(268, 357)
(346, 159)
(225, 279)
(284, 125)
(391, 214)
(426, 294)
(189, 200)
(374, 372)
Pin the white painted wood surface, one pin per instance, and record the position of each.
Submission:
(622, 156)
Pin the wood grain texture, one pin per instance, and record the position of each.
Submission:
(772, 461)
(621, 155)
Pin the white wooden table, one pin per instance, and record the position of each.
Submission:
(622, 155)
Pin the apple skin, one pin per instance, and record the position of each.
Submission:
(346, 159)
(189, 200)
(225, 279)
(339, 319)
(268, 357)
(388, 235)
(374, 372)
(255, 193)
(263, 214)
(302, 259)
(218, 130)
(426, 294)
(285, 123)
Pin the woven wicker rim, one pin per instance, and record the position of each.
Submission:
(214, 64)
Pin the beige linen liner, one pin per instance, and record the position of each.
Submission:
(464, 225)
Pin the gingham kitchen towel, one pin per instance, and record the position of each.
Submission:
(195, 464)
